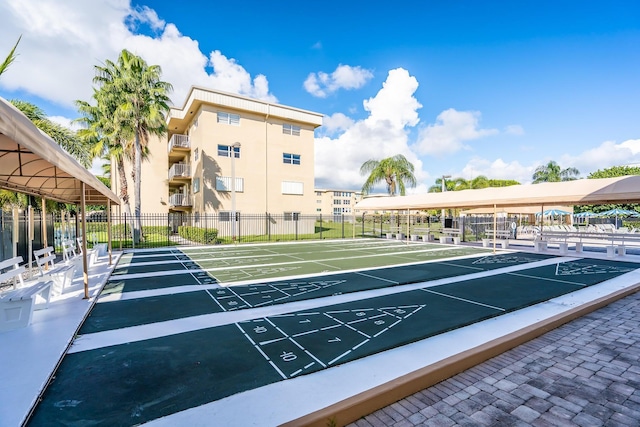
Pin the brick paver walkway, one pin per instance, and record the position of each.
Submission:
(585, 373)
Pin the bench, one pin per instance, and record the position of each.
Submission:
(61, 275)
(92, 254)
(17, 305)
(450, 235)
(613, 243)
(69, 255)
(503, 243)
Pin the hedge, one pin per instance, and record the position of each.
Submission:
(206, 236)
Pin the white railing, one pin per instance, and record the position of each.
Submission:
(180, 170)
(179, 141)
(179, 199)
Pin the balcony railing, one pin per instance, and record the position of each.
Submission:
(179, 199)
(179, 141)
(179, 170)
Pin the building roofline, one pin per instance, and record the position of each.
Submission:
(233, 100)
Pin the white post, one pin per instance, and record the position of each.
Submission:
(233, 190)
(444, 188)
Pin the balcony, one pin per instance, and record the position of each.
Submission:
(179, 171)
(179, 143)
(179, 200)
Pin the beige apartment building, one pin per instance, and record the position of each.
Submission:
(228, 153)
(336, 202)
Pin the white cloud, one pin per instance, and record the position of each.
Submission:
(451, 130)
(336, 122)
(383, 134)
(62, 41)
(514, 130)
(321, 84)
(497, 169)
(604, 156)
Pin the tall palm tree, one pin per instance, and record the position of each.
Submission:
(65, 137)
(106, 138)
(141, 104)
(10, 58)
(392, 170)
(552, 172)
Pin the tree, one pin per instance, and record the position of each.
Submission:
(551, 172)
(69, 140)
(392, 170)
(107, 139)
(10, 58)
(481, 181)
(140, 100)
(612, 172)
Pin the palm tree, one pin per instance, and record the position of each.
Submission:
(392, 170)
(141, 103)
(65, 137)
(551, 172)
(10, 58)
(106, 138)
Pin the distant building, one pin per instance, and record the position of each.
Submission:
(336, 202)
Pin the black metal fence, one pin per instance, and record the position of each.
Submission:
(19, 225)
(170, 229)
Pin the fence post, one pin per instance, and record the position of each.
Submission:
(321, 227)
(343, 226)
(268, 226)
(296, 224)
(362, 235)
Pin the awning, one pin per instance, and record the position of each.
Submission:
(512, 210)
(32, 163)
(625, 189)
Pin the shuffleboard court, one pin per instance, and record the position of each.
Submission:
(138, 381)
(149, 309)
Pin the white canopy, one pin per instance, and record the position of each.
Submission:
(625, 189)
(32, 163)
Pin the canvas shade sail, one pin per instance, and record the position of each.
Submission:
(32, 163)
(579, 192)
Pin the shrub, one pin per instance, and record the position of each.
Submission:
(207, 236)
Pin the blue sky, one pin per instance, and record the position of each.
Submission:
(461, 88)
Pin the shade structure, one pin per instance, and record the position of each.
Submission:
(579, 192)
(554, 212)
(618, 212)
(32, 163)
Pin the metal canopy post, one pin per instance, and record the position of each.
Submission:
(109, 231)
(83, 225)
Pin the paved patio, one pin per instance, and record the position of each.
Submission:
(585, 373)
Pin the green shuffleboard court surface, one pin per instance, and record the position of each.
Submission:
(138, 381)
(134, 312)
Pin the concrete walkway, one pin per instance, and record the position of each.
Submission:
(585, 373)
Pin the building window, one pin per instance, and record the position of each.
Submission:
(291, 216)
(291, 187)
(196, 155)
(223, 183)
(288, 129)
(293, 159)
(225, 151)
(318, 201)
(318, 193)
(196, 185)
(228, 118)
(225, 216)
(337, 211)
(337, 201)
(336, 194)
(346, 202)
